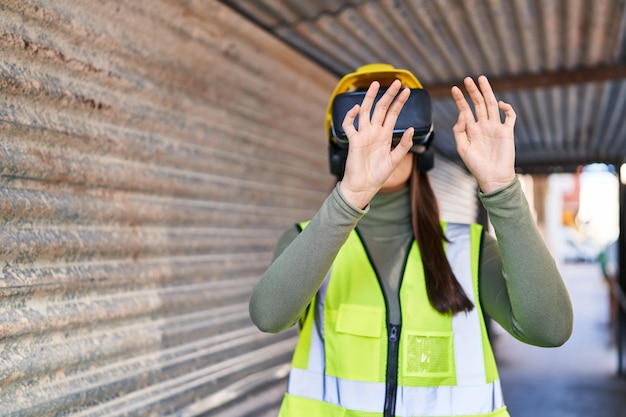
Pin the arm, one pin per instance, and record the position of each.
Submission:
(301, 261)
(530, 299)
(520, 285)
(291, 281)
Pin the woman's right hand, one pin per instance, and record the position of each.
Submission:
(371, 160)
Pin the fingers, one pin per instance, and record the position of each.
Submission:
(405, 144)
(460, 126)
(368, 102)
(460, 134)
(384, 108)
(486, 106)
(491, 104)
(461, 104)
(396, 107)
(509, 114)
(485, 103)
(477, 98)
(348, 121)
(385, 113)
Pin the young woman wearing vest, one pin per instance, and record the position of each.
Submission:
(390, 301)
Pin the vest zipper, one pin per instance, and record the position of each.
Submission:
(393, 339)
(392, 370)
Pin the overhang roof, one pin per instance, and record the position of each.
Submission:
(560, 63)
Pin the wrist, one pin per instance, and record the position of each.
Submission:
(487, 187)
(357, 198)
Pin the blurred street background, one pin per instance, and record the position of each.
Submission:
(581, 377)
(578, 379)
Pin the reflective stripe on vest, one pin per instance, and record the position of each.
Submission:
(446, 366)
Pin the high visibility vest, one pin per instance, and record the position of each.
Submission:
(351, 362)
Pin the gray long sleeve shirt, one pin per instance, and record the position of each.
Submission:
(520, 286)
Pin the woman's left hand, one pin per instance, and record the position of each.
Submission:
(485, 143)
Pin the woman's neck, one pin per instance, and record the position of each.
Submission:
(389, 214)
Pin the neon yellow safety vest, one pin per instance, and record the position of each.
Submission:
(351, 362)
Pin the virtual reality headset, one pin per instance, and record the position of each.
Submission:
(416, 113)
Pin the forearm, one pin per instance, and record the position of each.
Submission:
(528, 298)
(297, 272)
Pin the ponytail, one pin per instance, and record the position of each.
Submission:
(444, 291)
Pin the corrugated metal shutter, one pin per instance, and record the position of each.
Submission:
(151, 154)
(456, 191)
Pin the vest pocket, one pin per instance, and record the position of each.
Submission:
(353, 342)
(359, 320)
(428, 354)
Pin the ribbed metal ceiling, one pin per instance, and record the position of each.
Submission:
(559, 62)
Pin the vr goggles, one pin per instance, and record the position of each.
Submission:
(416, 113)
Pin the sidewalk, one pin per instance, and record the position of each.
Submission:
(575, 380)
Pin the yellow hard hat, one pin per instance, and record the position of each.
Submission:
(361, 79)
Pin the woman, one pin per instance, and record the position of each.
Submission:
(389, 300)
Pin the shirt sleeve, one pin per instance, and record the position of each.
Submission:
(301, 261)
(519, 283)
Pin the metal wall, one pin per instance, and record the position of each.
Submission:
(151, 153)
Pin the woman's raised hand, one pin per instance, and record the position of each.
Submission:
(371, 160)
(484, 142)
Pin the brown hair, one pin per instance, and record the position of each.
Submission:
(444, 291)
